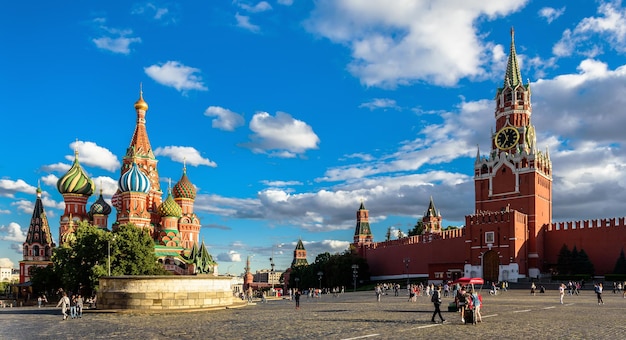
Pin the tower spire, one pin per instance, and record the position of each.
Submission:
(513, 76)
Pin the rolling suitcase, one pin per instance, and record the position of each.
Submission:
(469, 317)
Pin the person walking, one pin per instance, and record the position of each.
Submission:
(79, 305)
(598, 289)
(73, 307)
(561, 292)
(436, 300)
(64, 303)
(297, 298)
(477, 300)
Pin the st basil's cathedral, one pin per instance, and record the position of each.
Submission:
(172, 222)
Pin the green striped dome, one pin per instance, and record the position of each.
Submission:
(169, 207)
(75, 181)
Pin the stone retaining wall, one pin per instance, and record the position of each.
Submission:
(154, 293)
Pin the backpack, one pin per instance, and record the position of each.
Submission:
(435, 297)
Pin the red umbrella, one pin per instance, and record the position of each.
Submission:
(469, 280)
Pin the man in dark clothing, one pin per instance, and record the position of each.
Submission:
(436, 300)
(297, 297)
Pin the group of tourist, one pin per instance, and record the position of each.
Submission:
(74, 304)
(619, 288)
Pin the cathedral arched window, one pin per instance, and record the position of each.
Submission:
(36, 251)
(25, 250)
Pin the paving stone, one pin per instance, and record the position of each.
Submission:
(513, 315)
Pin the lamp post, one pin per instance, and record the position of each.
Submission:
(355, 274)
(406, 261)
(109, 252)
(319, 276)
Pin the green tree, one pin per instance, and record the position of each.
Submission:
(620, 265)
(585, 266)
(418, 229)
(80, 264)
(336, 270)
(564, 259)
(132, 252)
(44, 280)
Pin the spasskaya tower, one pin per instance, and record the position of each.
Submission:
(515, 175)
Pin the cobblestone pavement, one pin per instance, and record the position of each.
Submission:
(513, 314)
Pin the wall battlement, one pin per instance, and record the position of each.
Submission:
(426, 238)
(588, 224)
(488, 217)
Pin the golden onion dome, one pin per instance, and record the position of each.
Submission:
(141, 104)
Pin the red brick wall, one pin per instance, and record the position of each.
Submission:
(602, 240)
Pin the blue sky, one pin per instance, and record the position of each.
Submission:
(291, 112)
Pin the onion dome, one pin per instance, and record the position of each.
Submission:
(100, 207)
(134, 180)
(140, 104)
(75, 181)
(184, 188)
(169, 207)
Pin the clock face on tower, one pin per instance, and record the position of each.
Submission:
(506, 138)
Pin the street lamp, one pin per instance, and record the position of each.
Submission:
(319, 276)
(355, 274)
(406, 261)
(109, 252)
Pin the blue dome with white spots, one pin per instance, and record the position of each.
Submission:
(134, 180)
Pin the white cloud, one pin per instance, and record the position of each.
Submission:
(116, 45)
(90, 154)
(551, 14)
(361, 156)
(285, 2)
(107, 184)
(13, 232)
(231, 256)
(401, 42)
(281, 135)
(50, 180)
(226, 120)
(157, 12)
(259, 7)
(174, 74)
(281, 183)
(113, 39)
(6, 263)
(9, 188)
(591, 34)
(184, 154)
(380, 103)
(243, 21)
(57, 167)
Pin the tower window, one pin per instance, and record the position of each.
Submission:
(489, 237)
